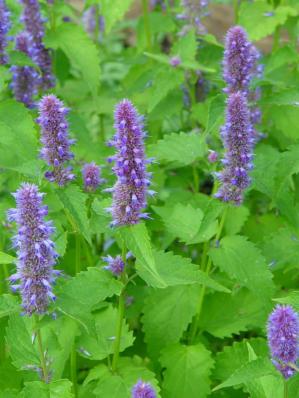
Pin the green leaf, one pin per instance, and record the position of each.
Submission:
(56, 389)
(177, 270)
(18, 143)
(101, 344)
(19, 340)
(241, 260)
(183, 148)
(284, 118)
(80, 50)
(234, 356)
(250, 371)
(215, 116)
(6, 258)
(77, 296)
(115, 13)
(8, 305)
(232, 313)
(137, 241)
(184, 222)
(19, 58)
(73, 201)
(285, 97)
(187, 371)
(260, 20)
(292, 299)
(167, 314)
(235, 219)
(120, 385)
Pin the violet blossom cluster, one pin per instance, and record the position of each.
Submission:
(115, 264)
(55, 139)
(25, 78)
(91, 176)
(283, 338)
(131, 188)
(194, 11)
(94, 23)
(237, 136)
(143, 390)
(34, 24)
(4, 28)
(35, 250)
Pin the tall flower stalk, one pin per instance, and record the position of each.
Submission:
(25, 78)
(283, 339)
(34, 24)
(55, 139)
(4, 28)
(131, 188)
(193, 12)
(35, 249)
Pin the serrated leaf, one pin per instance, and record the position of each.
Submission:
(120, 385)
(167, 313)
(250, 371)
(73, 201)
(261, 20)
(187, 371)
(8, 305)
(18, 143)
(77, 296)
(177, 270)
(19, 340)
(101, 344)
(235, 219)
(19, 58)
(215, 116)
(241, 260)
(292, 299)
(80, 50)
(232, 313)
(137, 241)
(234, 356)
(115, 13)
(184, 222)
(183, 148)
(6, 258)
(56, 389)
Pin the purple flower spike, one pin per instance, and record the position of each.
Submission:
(143, 390)
(115, 265)
(283, 338)
(36, 255)
(239, 62)
(34, 24)
(92, 25)
(129, 192)
(194, 11)
(91, 176)
(4, 28)
(55, 139)
(237, 135)
(25, 78)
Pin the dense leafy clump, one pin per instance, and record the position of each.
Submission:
(149, 158)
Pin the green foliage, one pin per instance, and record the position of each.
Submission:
(187, 371)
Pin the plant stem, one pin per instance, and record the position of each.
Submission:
(195, 324)
(236, 10)
(285, 389)
(120, 318)
(73, 368)
(195, 178)
(147, 24)
(45, 374)
(276, 38)
(78, 254)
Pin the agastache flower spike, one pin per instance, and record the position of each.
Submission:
(129, 192)
(143, 390)
(239, 61)
(194, 11)
(34, 24)
(92, 24)
(283, 338)
(35, 250)
(25, 78)
(91, 176)
(115, 265)
(55, 139)
(4, 28)
(238, 140)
